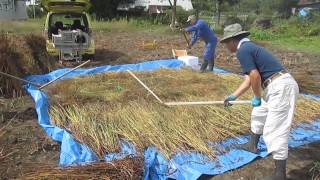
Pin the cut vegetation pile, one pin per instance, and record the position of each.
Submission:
(102, 109)
(21, 56)
(118, 169)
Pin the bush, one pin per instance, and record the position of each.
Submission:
(159, 19)
(246, 23)
(249, 21)
(232, 20)
(264, 35)
(182, 15)
(314, 31)
(37, 11)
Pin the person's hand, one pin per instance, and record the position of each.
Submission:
(189, 46)
(256, 101)
(228, 99)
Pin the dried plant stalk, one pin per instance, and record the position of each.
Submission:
(101, 109)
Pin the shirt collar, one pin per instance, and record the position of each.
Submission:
(242, 41)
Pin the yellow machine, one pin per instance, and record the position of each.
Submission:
(68, 29)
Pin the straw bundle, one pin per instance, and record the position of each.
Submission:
(101, 109)
(21, 56)
(130, 168)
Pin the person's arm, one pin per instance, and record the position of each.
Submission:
(255, 79)
(193, 39)
(243, 87)
(193, 28)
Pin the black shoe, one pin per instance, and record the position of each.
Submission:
(204, 66)
(250, 146)
(279, 172)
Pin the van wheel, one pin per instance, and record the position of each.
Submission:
(88, 57)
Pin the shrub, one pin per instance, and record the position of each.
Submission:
(314, 31)
(263, 35)
(232, 20)
(182, 15)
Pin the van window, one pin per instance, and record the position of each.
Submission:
(67, 21)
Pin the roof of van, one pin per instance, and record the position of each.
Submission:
(66, 5)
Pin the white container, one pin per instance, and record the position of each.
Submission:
(191, 61)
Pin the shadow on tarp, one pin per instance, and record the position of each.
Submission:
(182, 165)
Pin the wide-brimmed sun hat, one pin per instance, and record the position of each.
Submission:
(233, 30)
(192, 17)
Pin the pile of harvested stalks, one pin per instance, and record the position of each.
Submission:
(315, 171)
(21, 56)
(130, 168)
(101, 109)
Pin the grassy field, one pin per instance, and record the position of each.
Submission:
(31, 25)
(282, 35)
(287, 40)
(122, 25)
(290, 34)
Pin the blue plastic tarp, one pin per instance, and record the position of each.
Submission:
(182, 165)
(304, 12)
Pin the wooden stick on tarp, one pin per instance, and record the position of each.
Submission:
(145, 86)
(204, 103)
(186, 38)
(184, 103)
(19, 79)
(64, 74)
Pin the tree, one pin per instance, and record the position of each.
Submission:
(174, 13)
(203, 5)
(35, 11)
(280, 8)
(219, 3)
(106, 9)
(250, 6)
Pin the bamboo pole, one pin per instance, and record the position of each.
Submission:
(186, 38)
(64, 74)
(145, 86)
(204, 103)
(19, 79)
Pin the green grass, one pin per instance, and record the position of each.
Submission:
(132, 25)
(293, 34)
(305, 44)
(31, 25)
(287, 40)
(308, 44)
(122, 25)
(283, 35)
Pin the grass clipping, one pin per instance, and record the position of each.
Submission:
(101, 109)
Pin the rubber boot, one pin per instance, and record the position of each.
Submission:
(279, 172)
(250, 146)
(211, 66)
(204, 66)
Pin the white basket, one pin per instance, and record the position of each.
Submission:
(190, 61)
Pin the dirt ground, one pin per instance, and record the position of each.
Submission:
(24, 145)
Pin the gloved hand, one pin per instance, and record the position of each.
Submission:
(228, 99)
(256, 101)
(182, 30)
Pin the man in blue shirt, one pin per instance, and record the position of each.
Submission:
(275, 94)
(201, 29)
